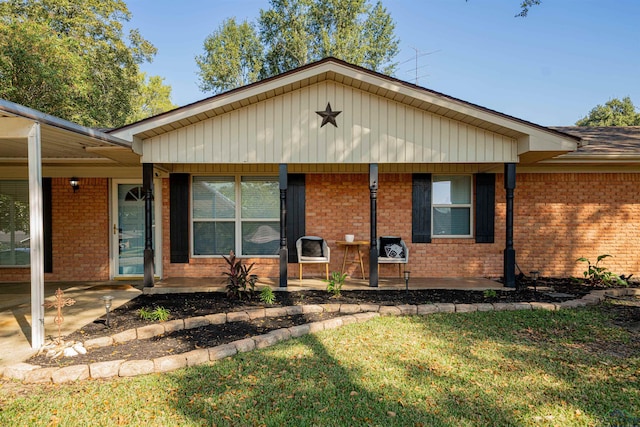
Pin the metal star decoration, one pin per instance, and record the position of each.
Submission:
(328, 116)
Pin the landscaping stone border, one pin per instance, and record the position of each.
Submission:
(351, 313)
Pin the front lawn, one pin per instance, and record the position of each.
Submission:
(572, 367)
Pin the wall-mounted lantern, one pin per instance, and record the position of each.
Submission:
(74, 183)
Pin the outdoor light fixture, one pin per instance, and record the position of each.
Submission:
(407, 274)
(534, 275)
(74, 183)
(107, 306)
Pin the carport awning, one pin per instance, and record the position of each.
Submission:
(62, 142)
(29, 139)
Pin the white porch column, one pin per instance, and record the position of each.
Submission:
(36, 231)
(25, 129)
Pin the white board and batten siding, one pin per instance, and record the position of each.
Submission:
(371, 129)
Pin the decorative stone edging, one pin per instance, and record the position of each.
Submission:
(352, 313)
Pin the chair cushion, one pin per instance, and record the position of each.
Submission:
(312, 248)
(391, 247)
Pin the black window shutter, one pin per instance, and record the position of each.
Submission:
(47, 225)
(295, 213)
(485, 207)
(421, 208)
(179, 217)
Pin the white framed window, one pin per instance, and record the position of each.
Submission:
(14, 223)
(451, 205)
(239, 213)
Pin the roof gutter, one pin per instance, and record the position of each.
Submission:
(47, 119)
(585, 158)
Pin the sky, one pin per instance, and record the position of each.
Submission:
(550, 68)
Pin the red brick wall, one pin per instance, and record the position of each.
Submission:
(339, 204)
(80, 233)
(558, 218)
(203, 267)
(562, 217)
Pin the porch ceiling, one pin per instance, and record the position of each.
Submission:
(62, 142)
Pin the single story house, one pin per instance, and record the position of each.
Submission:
(327, 149)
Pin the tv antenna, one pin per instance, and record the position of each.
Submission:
(419, 54)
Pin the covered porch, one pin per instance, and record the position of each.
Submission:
(384, 158)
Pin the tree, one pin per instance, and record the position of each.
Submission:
(614, 112)
(152, 97)
(70, 58)
(289, 49)
(525, 5)
(14, 214)
(293, 33)
(232, 58)
(353, 31)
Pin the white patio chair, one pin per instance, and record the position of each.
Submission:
(392, 250)
(313, 250)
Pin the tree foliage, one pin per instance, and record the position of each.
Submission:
(152, 97)
(289, 49)
(296, 32)
(292, 33)
(614, 112)
(525, 5)
(232, 57)
(14, 214)
(71, 58)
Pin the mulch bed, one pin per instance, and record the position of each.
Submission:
(187, 305)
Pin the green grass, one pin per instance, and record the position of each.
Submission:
(566, 368)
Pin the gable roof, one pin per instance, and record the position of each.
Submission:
(530, 137)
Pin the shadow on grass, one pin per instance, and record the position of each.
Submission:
(530, 366)
(366, 374)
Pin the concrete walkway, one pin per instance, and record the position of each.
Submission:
(15, 312)
(15, 302)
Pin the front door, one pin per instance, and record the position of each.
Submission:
(128, 229)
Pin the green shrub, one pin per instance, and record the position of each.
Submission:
(601, 276)
(157, 314)
(241, 283)
(489, 294)
(267, 296)
(335, 283)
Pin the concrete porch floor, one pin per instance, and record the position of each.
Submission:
(15, 301)
(217, 284)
